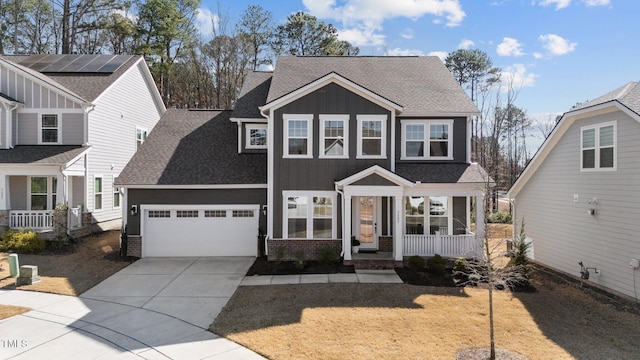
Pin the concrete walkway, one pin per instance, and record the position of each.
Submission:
(360, 276)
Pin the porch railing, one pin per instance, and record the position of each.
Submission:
(31, 219)
(444, 245)
(75, 217)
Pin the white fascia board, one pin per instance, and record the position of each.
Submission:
(30, 169)
(248, 120)
(72, 161)
(422, 115)
(199, 206)
(201, 187)
(375, 169)
(446, 190)
(325, 80)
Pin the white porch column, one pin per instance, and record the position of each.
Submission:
(480, 224)
(346, 237)
(398, 244)
(61, 190)
(4, 193)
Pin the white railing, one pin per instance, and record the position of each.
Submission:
(75, 217)
(31, 219)
(444, 245)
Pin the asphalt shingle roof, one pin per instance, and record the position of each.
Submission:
(628, 95)
(443, 173)
(420, 84)
(252, 95)
(193, 147)
(41, 154)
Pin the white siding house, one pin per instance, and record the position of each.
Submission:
(67, 128)
(580, 195)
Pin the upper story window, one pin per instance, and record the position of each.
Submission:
(372, 131)
(334, 136)
(298, 135)
(598, 145)
(141, 136)
(256, 136)
(49, 129)
(427, 139)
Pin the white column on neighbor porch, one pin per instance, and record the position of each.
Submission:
(346, 236)
(4, 193)
(480, 223)
(61, 189)
(398, 246)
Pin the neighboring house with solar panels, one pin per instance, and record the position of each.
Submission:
(68, 126)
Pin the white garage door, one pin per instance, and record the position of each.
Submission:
(199, 231)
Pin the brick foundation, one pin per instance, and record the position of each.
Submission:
(4, 219)
(310, 248)
(134, 246)
(385, 244)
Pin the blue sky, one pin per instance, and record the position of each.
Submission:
(558, 52)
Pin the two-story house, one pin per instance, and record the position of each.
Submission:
(316, 152)
(68, 126)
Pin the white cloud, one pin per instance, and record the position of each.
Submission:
(407, 34)
(362, 37)
(538, 55)
(365, 17)
(509, 47)
(516, 76)
(591, 3)
(441, 54)
(559, 4)
(404, 52)
(465, 44)
(556, 45)
(205, 20)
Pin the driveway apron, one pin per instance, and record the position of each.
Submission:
(156, 308)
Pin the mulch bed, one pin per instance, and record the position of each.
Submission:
(263, 267)
(425, 278)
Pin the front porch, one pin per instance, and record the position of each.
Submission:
(40, 220)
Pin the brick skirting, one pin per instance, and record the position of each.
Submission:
(385, 243)
(285, 250)
(134, 245)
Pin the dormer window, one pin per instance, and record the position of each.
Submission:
(427, 140)
(256, 136)
(49, 129)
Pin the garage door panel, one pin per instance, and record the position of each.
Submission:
(200, 232)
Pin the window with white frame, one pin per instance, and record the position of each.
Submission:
(310, 216)
(116, 194)
(298, 135)
(427, 139)
(256, 136)
(42, 192)
(141, 136)
(436, 216)
(97, 193)
(49, 129)
(334, 136)
(372, 131)
(598, 147)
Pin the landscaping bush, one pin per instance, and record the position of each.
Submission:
(22, 241)
(436, 264)
(417, 262)
(499, 217)
(327, 256)
(299, 262)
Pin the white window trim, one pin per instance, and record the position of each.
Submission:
(597, 147)
(383, 145)
(59, 128)
(345, 136)
(285, 147)
(114, 192)
(427, 213)
(95, 177)
(50, 191)
(248, 129)
(309, 195)
(427, 139)
(136, 136)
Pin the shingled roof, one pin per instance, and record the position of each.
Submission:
(42, 154)
(252, 95)
(194, 147)
(444, 173)
(628, 95)
(420, 84)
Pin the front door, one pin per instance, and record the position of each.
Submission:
(368, 223)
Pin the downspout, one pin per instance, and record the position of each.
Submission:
(269, 229)
(342, 200)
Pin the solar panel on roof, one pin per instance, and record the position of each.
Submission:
(96, 63)
(115, 63)
(103, 64)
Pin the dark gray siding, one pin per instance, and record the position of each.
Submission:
(459, 140)
(315, 173)
(193, 197)
(459, 215)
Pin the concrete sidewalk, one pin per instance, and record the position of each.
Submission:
(360, 276)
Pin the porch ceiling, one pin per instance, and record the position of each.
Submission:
(42, 154)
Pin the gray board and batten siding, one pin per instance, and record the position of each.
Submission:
(562, 231)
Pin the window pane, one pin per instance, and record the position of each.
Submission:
(321, 228)
(589, 138)
(415, 132)
(371, 147)
(606, 157)
(588, 159)
(414, 205)
(258, 137)
(39, 185)
(49, 121)
(414, 148)
(38, 202)
(297, 207)
(297, 228)
(49, 135)
(438, 205)
(415, 225)
(298, 146)
(439, 148)
(333, 147)
(372, 129)
(606, 136)
(116, 199)
(98, 202)
(98, 185)
(322, 207)
(439, 131)
(333, 129)
(54, 185)
(298, 128)
(438, 224)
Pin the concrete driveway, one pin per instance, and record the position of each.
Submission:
(153, 309)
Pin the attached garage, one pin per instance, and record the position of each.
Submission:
(199, 230)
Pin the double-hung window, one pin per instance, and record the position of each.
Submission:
(116, 194)
(598, 147)
(256, 136)
(310, 215)
(42, 192)
(298, 135)
(427, 139)
(334, 136)
(97, 193)
(372, 131)
(49, 129)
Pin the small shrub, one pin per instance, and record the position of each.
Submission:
(499, 217)
(436, 264)
(461, 265)
(326, 256)
(279, 254)
(299, 261)
(417, 262)
(22, 241)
